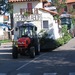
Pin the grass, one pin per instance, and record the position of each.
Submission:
(5, 41)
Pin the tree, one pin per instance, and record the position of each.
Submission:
(2, 6)
(60, 4)
(6, 7)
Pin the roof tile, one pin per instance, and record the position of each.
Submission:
(24, 0)
(70, 1)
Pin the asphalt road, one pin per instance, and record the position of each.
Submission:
(61, 61)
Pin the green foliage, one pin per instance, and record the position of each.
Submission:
(66, 36)
(5, 6)
(64, 29)
(5, 41)
(47, 43)
(59, 4)
(50, 44)
(60, 41)
(26, 14)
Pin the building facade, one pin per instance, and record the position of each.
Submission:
(34, 11)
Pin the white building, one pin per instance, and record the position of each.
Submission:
(1, 19)
(37, 14)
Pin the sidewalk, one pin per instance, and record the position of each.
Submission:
(9, 44)
(69, 45)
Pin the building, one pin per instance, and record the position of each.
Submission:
(34, 11)
(70, 6)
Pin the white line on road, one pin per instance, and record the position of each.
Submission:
(2, 74)
(30, 62)
(49, 73)
(23, 74)
(5, 53)
(72, 73)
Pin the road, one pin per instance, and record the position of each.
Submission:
(61, 61)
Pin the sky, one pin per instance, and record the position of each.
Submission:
(49, 0)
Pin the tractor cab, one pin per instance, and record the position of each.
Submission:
(27, 30)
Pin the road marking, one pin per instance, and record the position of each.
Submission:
(30, 62)
(23, 74)
(49, 74)
(5, 53)
(2, 74)
(72, 73)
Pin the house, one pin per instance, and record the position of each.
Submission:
(34, 11)
(70, 6)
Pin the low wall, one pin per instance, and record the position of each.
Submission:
(6, 35)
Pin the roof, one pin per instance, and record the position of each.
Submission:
(49, 11)
(24, 0)
(70, 1)
(67, 1)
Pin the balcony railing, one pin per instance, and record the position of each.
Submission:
(28, 11)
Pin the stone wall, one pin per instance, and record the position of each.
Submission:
(5, 36)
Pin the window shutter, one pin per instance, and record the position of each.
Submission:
(29, 7)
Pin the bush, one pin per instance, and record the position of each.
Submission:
(48, 44)
(5, 41)
(60, 41)
(66, 38)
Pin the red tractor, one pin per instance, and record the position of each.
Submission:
(28, 41)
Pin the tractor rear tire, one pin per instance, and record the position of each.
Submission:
(14, 53)
(32, 52)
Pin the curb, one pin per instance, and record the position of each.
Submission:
(7, 44)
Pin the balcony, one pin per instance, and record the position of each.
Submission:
(28, 11)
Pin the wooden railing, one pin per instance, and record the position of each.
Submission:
(28, 11)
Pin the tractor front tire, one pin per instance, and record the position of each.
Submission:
(32, 52)
(14, 53)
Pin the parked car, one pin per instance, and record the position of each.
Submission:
(5, 26)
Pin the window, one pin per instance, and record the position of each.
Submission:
(45, 24)
(74, 6)
(29, 7)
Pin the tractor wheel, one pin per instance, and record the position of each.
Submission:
(37, 49)
(14, 53)
(32, 52)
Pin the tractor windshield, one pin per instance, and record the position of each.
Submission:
(25, 31)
